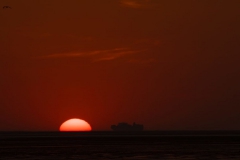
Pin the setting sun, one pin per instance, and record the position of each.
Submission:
(75, 125)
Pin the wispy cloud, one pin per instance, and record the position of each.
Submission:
(113, 54)
(136, 3)
(98, 55)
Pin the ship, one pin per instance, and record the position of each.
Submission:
(127, 127)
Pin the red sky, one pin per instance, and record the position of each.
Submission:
(165, 64)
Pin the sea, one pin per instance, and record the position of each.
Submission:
(103, 145)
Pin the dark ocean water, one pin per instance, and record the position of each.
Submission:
(120, 145)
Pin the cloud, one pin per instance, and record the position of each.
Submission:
(113, 54)
(136, 3)
(98, 55)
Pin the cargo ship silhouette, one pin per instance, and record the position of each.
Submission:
(127, 127)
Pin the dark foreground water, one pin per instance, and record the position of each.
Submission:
(115, 145)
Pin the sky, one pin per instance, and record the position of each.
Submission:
(169, 65)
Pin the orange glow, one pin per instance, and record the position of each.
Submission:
(75, 125)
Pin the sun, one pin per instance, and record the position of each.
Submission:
(76, 125)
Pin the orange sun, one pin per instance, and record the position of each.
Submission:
(75, 125)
